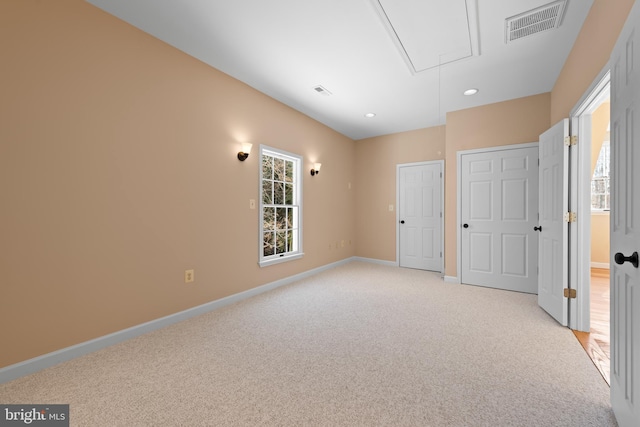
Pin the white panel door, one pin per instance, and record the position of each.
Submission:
(499, 206)
(625, 223)
(554, 202)
(420, 216)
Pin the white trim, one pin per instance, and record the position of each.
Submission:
(593, 93)
(444, 213)
(581, 263)
(284, 258)
(459, 155)
(442, 207)
(35, 364)
(579, 243)
(376, 261)
(498, 148)
(451, 279)
(604, 265)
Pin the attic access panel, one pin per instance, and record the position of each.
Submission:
(431, 33)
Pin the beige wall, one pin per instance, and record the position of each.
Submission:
(600, 238)
(600, 230)
(589, 55)
(376, 160)
(586, 60)
(118, 171)
(512, 122)
(599, 125)
(517, 121)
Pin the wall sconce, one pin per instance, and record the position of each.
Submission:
(246, 149)
(316, 169)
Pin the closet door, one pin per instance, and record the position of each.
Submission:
(499, 207)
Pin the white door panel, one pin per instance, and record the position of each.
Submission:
(481, 245)
(514, 250)
(420, 215)
(625, 223)
(554, 202)
(499, 205)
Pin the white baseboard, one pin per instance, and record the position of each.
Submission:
(35, 364)
(604, 265)
(375, 261)
(451, 279)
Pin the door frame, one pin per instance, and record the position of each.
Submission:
(580, 198)
(459, 155)
(425, 163)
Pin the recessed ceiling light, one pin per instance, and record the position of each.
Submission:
(370, 115)
(470, 92)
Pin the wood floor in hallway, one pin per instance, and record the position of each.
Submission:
(597, 342)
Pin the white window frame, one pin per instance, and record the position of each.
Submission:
(596, 210)
(297, 202)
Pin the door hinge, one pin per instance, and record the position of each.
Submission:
(570, 293)
(570, 217)
(571, 140)
(440, 174)
(440, 254)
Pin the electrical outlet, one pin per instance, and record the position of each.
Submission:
(390, 208)
(189, 276)
(252, 204)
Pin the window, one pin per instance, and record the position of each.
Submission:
(600, 198)
(280, 206)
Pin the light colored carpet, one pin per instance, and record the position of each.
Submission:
(358, 345)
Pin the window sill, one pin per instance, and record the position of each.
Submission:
(282, 259)
(595, 212)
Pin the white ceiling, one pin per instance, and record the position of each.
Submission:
(408, 61)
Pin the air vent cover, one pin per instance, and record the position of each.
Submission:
(535, 21)
(322, 90)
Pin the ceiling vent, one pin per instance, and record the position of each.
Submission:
(322, 91)
(535, 21)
